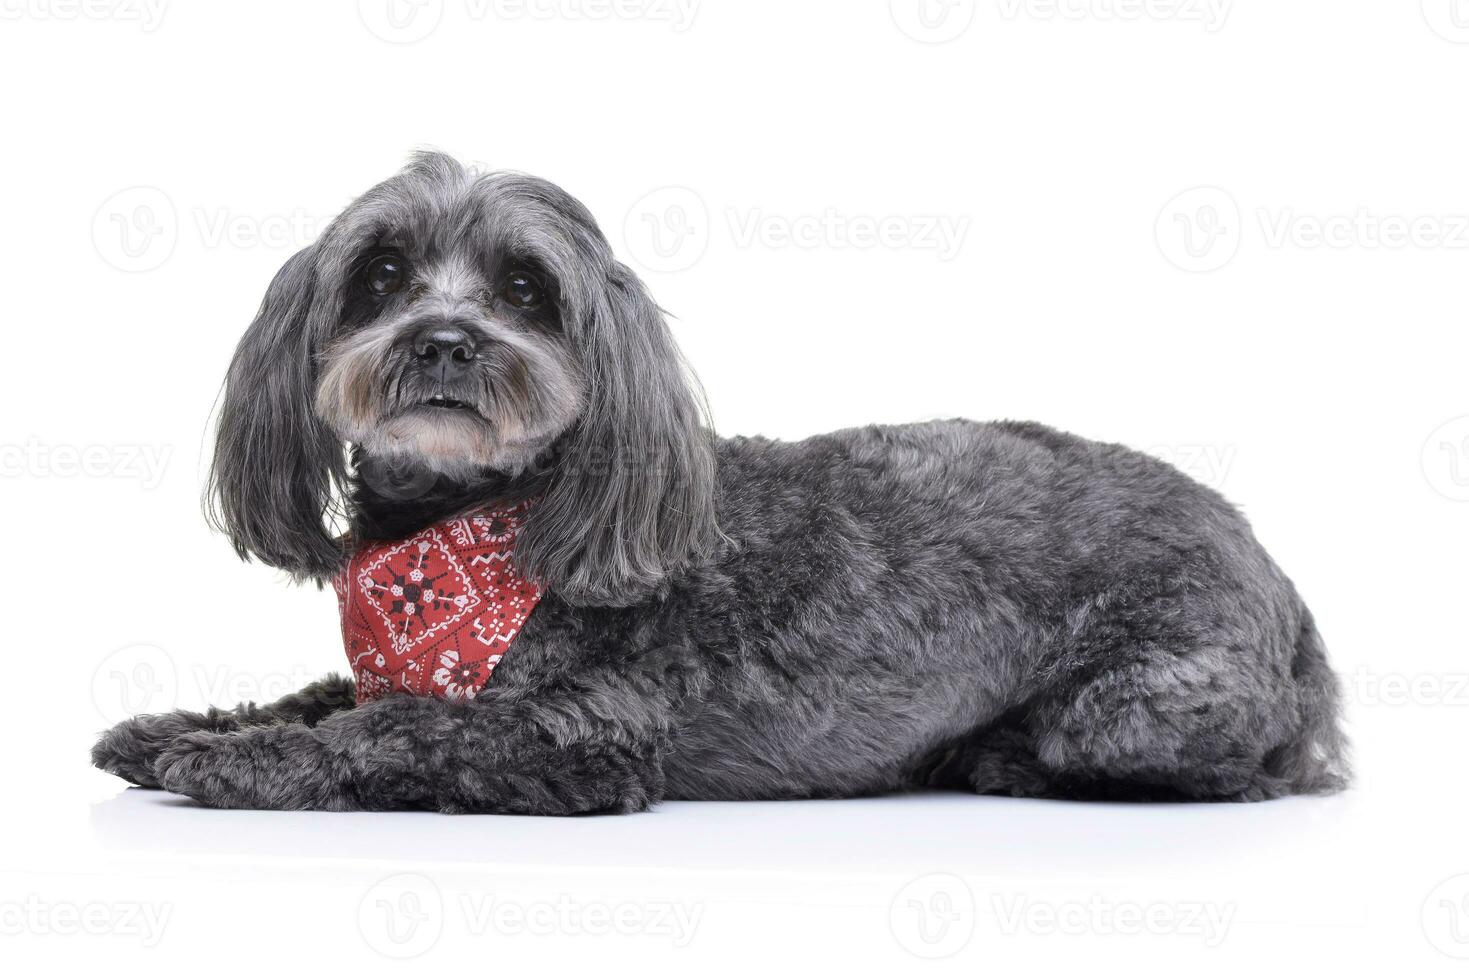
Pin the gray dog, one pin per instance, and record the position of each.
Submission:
(998, 608)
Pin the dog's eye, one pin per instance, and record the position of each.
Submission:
(522, 290)
(387, 274)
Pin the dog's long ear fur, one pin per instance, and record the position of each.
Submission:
(632, 495)
(275, 463)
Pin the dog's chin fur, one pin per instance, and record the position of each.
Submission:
(457, 444)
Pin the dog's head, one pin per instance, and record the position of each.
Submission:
(468, 327)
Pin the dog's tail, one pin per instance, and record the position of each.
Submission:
(1316, 760)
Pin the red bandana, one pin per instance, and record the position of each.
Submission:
(435, 613)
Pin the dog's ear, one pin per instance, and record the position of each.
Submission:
(632, 494)
(275, 463)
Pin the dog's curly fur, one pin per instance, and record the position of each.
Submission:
(1001, 608)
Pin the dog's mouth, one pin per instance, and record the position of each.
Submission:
(451, 404)
(446, 408)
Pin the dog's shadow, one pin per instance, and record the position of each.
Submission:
(953, 831)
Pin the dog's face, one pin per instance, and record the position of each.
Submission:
(463, 325)
(450, 352)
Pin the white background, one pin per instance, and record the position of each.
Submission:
(1232, 233)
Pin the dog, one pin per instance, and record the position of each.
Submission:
(999, 608)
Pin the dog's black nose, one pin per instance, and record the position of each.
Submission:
(444, 344)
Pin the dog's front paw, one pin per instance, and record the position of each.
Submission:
(129, 749)
(208, 767)
(283, 768)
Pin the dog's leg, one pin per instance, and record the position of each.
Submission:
(1002, 761)
(1237, 714)
(130, 748)
(1165, 726)
(999, 760)
(584, 752)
